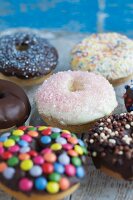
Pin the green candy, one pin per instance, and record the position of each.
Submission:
(54, 177)
(13, 161)
(15, 138)
(85, 150)
(74, 135)
(32, 128)
(76, 161)
(55, 135)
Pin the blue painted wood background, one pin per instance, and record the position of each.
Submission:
(68, 15)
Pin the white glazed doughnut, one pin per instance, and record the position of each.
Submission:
(110, 54)
(75, 97)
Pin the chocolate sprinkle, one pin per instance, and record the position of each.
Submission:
(26, 55)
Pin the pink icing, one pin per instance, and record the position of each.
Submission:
(75, 97)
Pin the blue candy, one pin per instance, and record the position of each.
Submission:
(61, 140)
(56, 130)
(80, 173)
(59, 168)
(40, 183)
(81, 143)
(46, 139)
(6, 134)
(3, 139)
(23, 143)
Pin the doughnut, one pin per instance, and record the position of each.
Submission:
(26, 58)
(110, 54)
(41, 162)
(14, 105)
(75, 99)
(128, 97)
(110, 144)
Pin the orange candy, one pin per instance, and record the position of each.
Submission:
(3, 166)
(50, 157)
(73, 140)
(1, 144)
(33, 133)
(72, 153)
(24, 156)
(64, 183)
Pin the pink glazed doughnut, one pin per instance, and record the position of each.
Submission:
(74, 100)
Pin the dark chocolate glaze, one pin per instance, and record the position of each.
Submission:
(14, 105)
(26, 55)
(114, 152)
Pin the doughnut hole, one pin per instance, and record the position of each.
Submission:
(2, 95)
(22, 47)
(76, 85)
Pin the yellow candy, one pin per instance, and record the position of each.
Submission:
(66, 131)
(9, 143)
(78, 149)
(56, 146)
(52, 187)
(26, 165)
(41, 128)
(18, 132)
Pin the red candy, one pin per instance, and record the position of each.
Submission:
(32, 153)
(70, 170)
(6, 155)
(46, 131)
(48, 168)
(23, 128)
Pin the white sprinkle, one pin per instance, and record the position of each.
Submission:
(108, 120)
(91, 141)
(120, 152)
(101, 128)
(112, 141)
(127, 126)
(131, 123)
(94, 154)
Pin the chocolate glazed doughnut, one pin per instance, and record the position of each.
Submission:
(27, 57)
(14, 105)
(110, 143)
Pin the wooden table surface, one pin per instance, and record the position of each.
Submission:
(95, 185)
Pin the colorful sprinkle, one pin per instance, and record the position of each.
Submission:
(59, 168)
(70, 170)
(13, 161)
(78, 149)
(48, 168)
